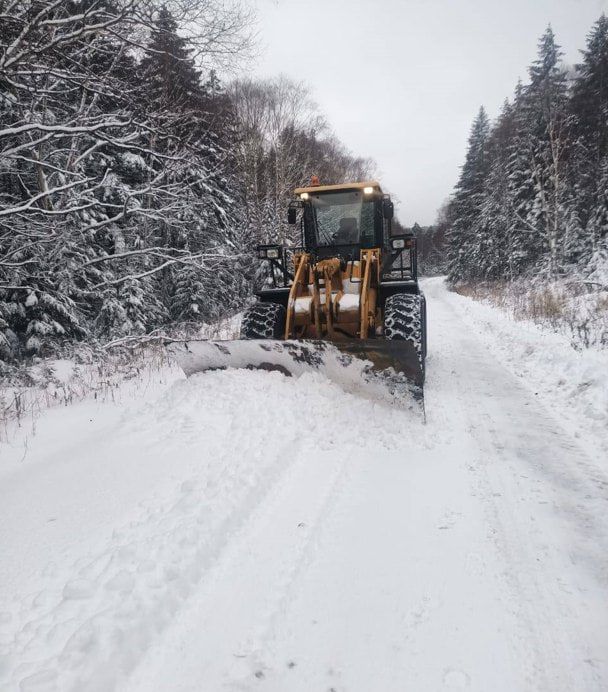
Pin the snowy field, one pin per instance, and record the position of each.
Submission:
(247, 531)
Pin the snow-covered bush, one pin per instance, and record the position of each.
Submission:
(571, 306)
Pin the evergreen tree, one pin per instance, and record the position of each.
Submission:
(196, 119)
(545, 110)
(589, 131)
(468, 198)
(589, 102)
(597, 226)
(168, 73)
(497, 239)
(543, 203)
(525, 242)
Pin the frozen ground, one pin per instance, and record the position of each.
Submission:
(246, 531)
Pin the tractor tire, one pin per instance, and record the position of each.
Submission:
(263, 321)
(405, 320)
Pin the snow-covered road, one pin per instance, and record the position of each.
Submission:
(246, 531)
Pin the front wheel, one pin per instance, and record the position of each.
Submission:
(263, 321)
(405, 320)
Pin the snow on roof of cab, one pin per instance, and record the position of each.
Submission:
(343, 186)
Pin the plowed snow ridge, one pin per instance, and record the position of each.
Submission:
(247, 531)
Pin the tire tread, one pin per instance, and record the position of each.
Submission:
(263, 321)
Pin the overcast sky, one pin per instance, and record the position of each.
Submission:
(401, 80)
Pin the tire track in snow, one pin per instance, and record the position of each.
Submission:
(235, 613)
(94, 619)
(251, 585)
(117, 599)
(546, 503)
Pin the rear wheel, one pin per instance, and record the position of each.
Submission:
(263, 321)
(405, 320)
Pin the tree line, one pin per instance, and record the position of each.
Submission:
(532, 198)
(134, 183)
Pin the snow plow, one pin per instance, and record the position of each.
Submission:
(345, 302)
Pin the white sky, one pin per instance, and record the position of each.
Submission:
(401, 80)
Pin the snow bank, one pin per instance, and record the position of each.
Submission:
(50, 383)
(575, 306)
(96, 372)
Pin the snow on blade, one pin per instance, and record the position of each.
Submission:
(385, 371)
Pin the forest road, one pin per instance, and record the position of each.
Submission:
(288, 536)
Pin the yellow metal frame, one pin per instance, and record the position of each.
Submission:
(370, 262)
(325, 277)
(301, 263)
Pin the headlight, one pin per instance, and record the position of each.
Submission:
(398, 243)
(368, 190)
(273, 253)
(304, 195)
(262, 253)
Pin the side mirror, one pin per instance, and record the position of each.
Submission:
(388, 209)
(291, 215)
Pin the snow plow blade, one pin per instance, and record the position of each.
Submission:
(373, 368)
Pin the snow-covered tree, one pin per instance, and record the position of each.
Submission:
(589, 131)
(133, 186)
(531, 196)
(108, 185)
(545, 109)
(466, 206)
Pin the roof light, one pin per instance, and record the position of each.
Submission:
(368, 190)
(304, 195)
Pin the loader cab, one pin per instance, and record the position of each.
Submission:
(342, 219)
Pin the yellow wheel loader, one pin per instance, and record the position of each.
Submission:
(345, 302)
